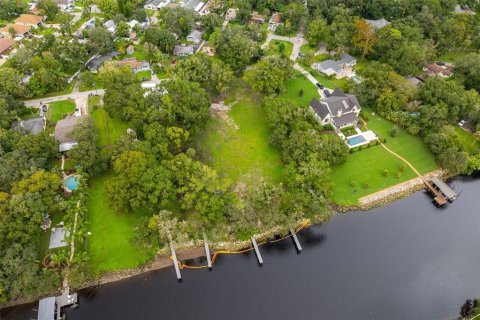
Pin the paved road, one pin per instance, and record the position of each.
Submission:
(312, 79)
(76, 95)
(297, 42)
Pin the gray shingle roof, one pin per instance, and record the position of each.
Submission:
(378, 24)
(339, 101)
(320, 109)
(344, 119)
(64, 127)
(33, 126)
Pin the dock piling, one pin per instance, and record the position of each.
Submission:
(295, 241)
(207, 252)
(175, 262)
(257, 251)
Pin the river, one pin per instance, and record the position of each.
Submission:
(407, 260)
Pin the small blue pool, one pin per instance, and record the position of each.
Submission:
(356, 140)
(71, 183)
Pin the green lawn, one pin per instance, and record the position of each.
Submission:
(406, 145)
(144, 74)
(367, 165)
(453, 56)
(329, 82)
(299, 82)
(242, 154)
(109, 129)
(275, 47)
(59, 109)
(110, 243)
(468, 143)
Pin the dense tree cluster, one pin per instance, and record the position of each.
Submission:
(268, 76)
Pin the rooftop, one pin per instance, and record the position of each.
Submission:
(29, 19)
(6, 44)
(19, 28)
(183, 50)
(64, 127)
(33, 125)
(378, 24)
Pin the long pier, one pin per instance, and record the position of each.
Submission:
(295, 241)
(207, 252)
(257, 251)
(175, 262)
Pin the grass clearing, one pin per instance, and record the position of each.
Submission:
(280, 47)
(59, 109)
(366, 166)
(110, 244)
(328, 82)
(109, 129)
(468, 142)
(146, 74)
(297, 83)
(242, 154)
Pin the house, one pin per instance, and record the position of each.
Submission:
(339, 109)
(463, 9)
(274, 21)
(183, 51)
(414, 81)
(132, 23)
(434, 69)
(377, 24)
(195, 5)
(156, 4)
(195, 36)
(64, 5)
(340, 68)
(6, 46)
(231, 14)
(63, 130)
(256, 18)
(20, 30)
(111, 26)
(33, 125)
(30, 20)
(134, 64)
(94, 64)
(130, 49)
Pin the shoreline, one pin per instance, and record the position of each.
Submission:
(195, 249)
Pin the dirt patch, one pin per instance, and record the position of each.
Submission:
(220, 110)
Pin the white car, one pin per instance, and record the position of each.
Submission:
(461, 123)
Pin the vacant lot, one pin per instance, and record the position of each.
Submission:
(110, 244)
(280, 47)
(363, 171)
(59, 109)
(109, 129)
(239, 148)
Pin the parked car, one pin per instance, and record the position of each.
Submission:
(44, 108)
(320, 86)
(440, 63)
(461, 123)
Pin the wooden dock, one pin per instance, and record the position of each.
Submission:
(207, 252)
(441, 191)
(257, 251)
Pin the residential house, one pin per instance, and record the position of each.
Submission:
(6, 46)
(64, 5)
(231, 14)
(183, 50)
(377, 24)
(111, 26)
(339, 109)
(63, 130)
(414, 81)
(33, 125)
(134, 64)
(256, 18)
(463, 9)
(274, 21)
(340, 68)
(434, 69)
(20, 30)
(156, 4)
(30, 20)
(195, 36)
(195, 5)
(94, 64)
(132, 23)
(130, 49)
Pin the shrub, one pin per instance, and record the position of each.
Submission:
(353, 183)
(384, 140)
(386, 172)
(402, 167)
(366, 185)
(350, 151)
(398, 175)
(360, 148)
(300, 93)
(393, 132)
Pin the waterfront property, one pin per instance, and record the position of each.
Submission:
(339, 109)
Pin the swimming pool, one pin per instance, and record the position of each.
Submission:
(71, 183)
(356, 140)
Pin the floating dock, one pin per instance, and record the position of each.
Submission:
(295, 241)
(175, 262)
(257, 251)
(207, 252)
(51, 308)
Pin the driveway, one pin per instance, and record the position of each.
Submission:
(312, 79)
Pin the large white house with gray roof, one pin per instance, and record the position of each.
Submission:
(340, 68)
(377, 24)
(339, 109)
